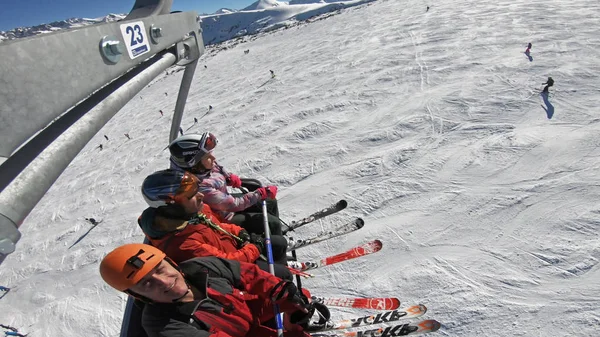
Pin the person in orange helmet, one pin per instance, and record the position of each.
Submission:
(207, 296)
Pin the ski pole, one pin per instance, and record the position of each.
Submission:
(271, 263)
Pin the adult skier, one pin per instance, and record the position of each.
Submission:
(206, 296)
(182, 226)
(93, 221)
(549, 83)
(194, 153)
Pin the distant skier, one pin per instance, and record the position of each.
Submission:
(272, 73)
(181, 130)
(93, 221)
(427, 10)
(161, 113)
(549, 83)
(528, 50)
(166, 94)
(105, 136)
(99, 146)
(247, 51)
(127, 135)
(195, 120)
(205, 67)
(210, 107)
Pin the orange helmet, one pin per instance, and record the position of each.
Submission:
(127, 265)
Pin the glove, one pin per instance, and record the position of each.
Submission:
(243, 234)
(267, 192)
(303, 319)
(306, 309)
(259, 242)
(234, 181)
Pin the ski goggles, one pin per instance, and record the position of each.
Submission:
(188, 187)
(208, 142)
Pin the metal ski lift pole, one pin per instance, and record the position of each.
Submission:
(271, 263)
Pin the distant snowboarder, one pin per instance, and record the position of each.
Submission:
(272, 73)
(246, 51)
(205, 67)
(99, 147)
(166, 94)
(427, 10)
(127, 135)
(161, 113)
(209, 107)
(181, 130)
(195, 120)
(549, 83)
(105, 136)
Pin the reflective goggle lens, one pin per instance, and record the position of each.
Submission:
(189, 186)
(209, 143)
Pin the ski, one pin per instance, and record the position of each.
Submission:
(362, 250)
(382, 317)
(338, 206)
(300, 273)
(405, 329)
(378, 303)
(349, 227)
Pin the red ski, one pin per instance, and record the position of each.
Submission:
(378, 303)
(362, 250)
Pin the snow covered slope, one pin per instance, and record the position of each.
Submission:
(428, 123)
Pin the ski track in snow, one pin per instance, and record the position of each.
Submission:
(429, 124)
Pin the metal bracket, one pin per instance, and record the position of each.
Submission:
(188, 50)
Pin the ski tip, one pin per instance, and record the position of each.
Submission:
(418, 309)
(359, 222)
(342, 204)
(377, 245)
(430, 325)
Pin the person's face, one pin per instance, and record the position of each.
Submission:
(162, 285)
(191, 201)
(193, 204)
(208, 161)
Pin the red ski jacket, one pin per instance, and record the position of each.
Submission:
(238, 299)
(182, 241)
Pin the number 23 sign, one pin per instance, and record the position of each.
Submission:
(136, 38)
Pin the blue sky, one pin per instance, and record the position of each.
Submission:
(24, 13)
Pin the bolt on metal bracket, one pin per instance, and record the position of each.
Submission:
(155, 33)
(111, 49)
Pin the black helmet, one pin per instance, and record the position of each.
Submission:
(186, 151)
(160, 188)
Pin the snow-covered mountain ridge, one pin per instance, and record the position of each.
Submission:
(225, 24)
(21, 32)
